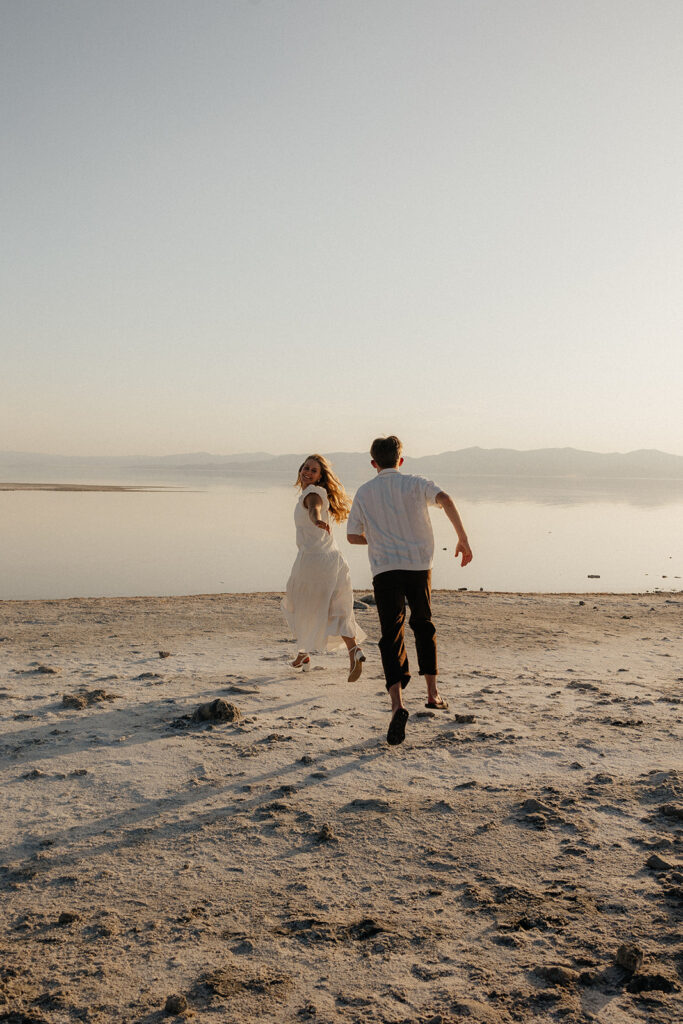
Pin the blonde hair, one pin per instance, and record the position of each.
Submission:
(340, 503)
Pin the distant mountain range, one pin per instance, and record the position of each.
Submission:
(539, 464)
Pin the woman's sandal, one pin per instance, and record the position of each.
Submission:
(302, 661)
(357, 666)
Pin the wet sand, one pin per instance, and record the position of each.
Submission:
(518, 858)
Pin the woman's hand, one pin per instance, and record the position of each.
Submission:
(321, 524)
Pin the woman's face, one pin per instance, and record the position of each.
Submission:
(310, 473)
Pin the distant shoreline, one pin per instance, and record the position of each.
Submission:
(83, 487)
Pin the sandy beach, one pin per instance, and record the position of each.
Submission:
(518, 858)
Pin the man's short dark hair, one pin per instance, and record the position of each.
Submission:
(386, 451)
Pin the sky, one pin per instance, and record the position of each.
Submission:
(295, 225)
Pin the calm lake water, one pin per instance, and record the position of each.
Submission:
(239, 536)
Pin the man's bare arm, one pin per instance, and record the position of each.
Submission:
(463, 548)
(356, 538)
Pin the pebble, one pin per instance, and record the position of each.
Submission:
(68, 917)
(175, 1004)
(630, 957)
(657, 863)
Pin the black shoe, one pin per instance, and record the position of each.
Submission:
(397, 727)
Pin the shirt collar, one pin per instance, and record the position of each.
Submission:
(391, 469)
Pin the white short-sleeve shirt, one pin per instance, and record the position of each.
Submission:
(391, 510)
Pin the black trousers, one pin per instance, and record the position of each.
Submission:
(392, 590)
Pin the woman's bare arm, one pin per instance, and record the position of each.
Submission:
(313, 505)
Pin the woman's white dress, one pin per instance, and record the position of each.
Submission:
(318, 604)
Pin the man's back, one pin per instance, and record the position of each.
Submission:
(391, 510)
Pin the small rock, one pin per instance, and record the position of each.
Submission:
(164, 654)
(630, 957)
(68, 917)
(46, 670)
(672, 811)
(464, 719)
(657, 863)
(593, 576)
(326, 835)
(72, 700)
(216, 711)
(243, 948)
(35, 773)
(306, 759)
(175, 1004)
(87, 698)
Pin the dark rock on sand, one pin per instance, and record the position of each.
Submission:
(216, 711)
(630, 957)
(175, 1004)
(326, 835)
(672, 811)
(87, 698)
(165, 654)
(657, 863)
(68, 917)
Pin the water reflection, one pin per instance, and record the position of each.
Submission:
(239, 536)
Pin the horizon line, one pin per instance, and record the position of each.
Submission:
(278, 455)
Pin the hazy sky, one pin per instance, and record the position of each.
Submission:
(289, 225)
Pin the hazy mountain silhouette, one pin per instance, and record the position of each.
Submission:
(542, 463)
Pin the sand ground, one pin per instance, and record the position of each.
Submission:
(291, 866)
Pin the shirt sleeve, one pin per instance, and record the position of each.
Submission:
(314, 489)
(355, 522)
(430, 491)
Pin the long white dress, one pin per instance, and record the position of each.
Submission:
(318, 604)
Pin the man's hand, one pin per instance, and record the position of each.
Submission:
(356, 538)
(465, 550)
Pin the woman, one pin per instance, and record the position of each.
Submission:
(318, 604)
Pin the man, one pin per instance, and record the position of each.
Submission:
(390, 514)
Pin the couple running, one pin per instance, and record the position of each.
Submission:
(390, 515)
